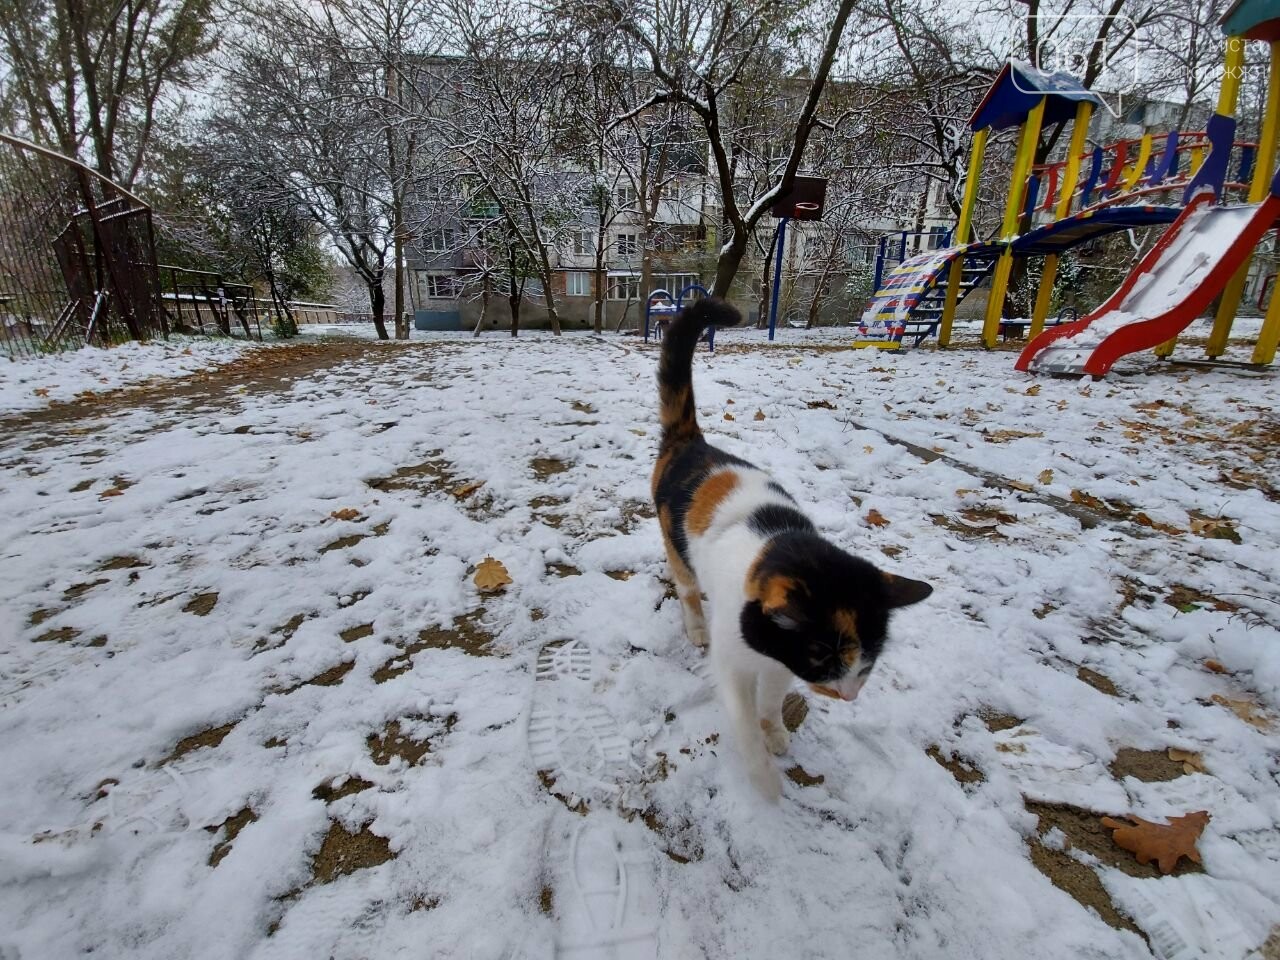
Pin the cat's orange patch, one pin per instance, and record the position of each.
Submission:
(707, 499)
(846, 623)
(659, 468)
(673, 405)
(772, 592)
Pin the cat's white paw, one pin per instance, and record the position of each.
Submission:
(767, 780)
(698, 636)
(776, 737)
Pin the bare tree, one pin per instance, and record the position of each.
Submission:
(94, 78)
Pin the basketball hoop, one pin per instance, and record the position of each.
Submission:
(809, 207)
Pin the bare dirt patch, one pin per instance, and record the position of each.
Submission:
(201, 605)
(231, 828)
(544, 468)
(467, 634)
(76, 591)
(962, 770)
(803, 778)
(430, 475)
(342, 853)
(198, 741)
(347, 788)
(1149, 766)
(342, 543)
(395, 741)
(352, 634)
(60, 635)
(121, 563)
(1098, 681)
(563, 570)
(1084, 831)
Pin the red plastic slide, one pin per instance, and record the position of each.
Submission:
(1171, 286)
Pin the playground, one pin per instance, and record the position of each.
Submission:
(264, 708)
(1219, 195)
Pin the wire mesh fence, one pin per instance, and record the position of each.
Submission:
(77, 256)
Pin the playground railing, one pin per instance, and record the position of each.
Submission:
(1134, 168)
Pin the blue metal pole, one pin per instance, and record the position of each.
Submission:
(777, 275)
(880, 255)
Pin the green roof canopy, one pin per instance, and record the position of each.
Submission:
(1019, 88)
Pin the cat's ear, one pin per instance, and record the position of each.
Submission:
(903, 591)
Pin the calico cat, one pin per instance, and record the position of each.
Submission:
(782, 602)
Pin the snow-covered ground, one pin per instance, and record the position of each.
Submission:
(28, 383)
(253, 705)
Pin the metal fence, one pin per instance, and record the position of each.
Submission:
(77, 256)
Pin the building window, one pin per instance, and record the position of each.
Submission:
(438, 241)
(437, 286)
(577, 284)
(628, 244)
(624, 287)
(626, 196)
(584, 243)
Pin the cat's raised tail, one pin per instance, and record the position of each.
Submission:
(679, 416)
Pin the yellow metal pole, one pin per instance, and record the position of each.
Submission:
(1228, 94)
(963, 230)
(1012, 211)
(1070, 174)
(1134, 173)
(1263, 167)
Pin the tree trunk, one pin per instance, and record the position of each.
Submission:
(601, 280)
(484, 307)
(513, 300)
(819, 291)
(378, 304)
(727, 263)
(401, 324)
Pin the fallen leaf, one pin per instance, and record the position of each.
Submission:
(1166, 844)
(729, 416)
(1062, 404)
(1214, 528)
(41, 391)
(759, 415)
(1033, 391)
(464, 490)
(1246, 710)
(113, 492)
(868, 449)
(346, 513)
(1004, 436)
(1046, 477)
(729, 401)
(639, 433)
(491, 576)
(1191, 761)
(1214, 666)
(1019, 485)
(828, 405)
(1143, 520)
(875, 518)
(1087, 499)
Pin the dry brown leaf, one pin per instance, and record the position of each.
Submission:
(1143, 520)
(464, 490)
(113, 492)
(1246, 710)
(491, 576)
(639, 433)
(1087, 499)
(759, 415)
(1019, 485)
(1062, 404)
(1033, 391)
(729, 401)
(1153, 405)
(1166, 844)
(1045, 477)
(41, 391)
(1191, 761)
(346, 513)
(728, 416)
(827, 405)
(1004, 436)
(868, 449)
(1214, 528)
(875, 518)
(1215, 666)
